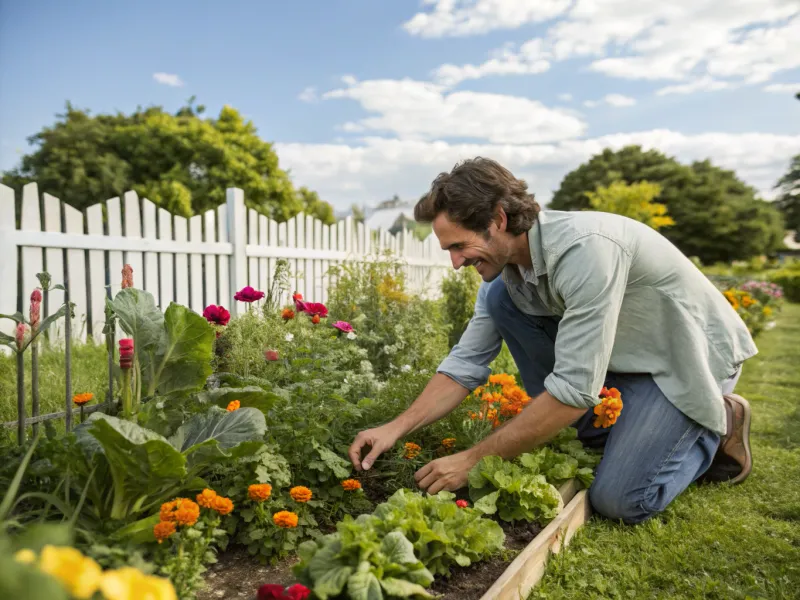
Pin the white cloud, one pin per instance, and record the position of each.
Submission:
(565, 97)
(470, 17)
(619, 100)
(377, 167)
(419, 110)
(702, 84)
(169, 79)
(780, 88)
(717, 42)
(590, 103)
(308, 95)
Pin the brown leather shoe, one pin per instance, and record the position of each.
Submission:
(733, 461)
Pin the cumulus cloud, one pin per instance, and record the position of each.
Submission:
(375, 167)
(782, 88)
(615, 100)
(701, 44)
(421, 110)
(308, 95)
(169, 79)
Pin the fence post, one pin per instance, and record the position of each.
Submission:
(237, 236)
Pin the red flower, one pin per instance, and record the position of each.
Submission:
(462, 503)
(297, 296)
(127, 276)
(217, 315)
(315, 319)
(248, 294)
(287, 314)
(22, 329)
(271, 355)
(311, 308)
(343, 326)
(125, 353)
(298, 592)
(271, 591)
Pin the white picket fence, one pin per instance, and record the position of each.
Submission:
(195, 262)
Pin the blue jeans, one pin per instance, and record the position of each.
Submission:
(650, 455)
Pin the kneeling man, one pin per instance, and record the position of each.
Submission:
(584, 300)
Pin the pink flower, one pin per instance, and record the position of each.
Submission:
(271, 355)
(312, 308)
(127, 276)
(271, 591)
(216, 315)
(248, 294)
(343, 326)
(125, 353)
(36, 305)
(297, 296)
(462, 503)
(298, 592)
(21, 331)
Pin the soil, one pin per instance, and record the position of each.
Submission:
(237, 576)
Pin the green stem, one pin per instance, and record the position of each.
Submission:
(68, 363)
(127, 408)
(35, 385)
(20, 398)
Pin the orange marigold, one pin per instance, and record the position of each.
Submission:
(259, 491)
(351, 485)
(81, 399)
(234, 405)
(181, 511)
(287, 314)
(163, 530)
(502, 379)
(206, 498)
(285, 519)
(300, 493)
(449, 443)
(609, 408)
(222, 505)
(412, 450)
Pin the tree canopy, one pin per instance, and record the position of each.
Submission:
(789, 200)
(634, 200)
(717, 216)
(180, 161)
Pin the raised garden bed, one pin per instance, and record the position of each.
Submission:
(510, 576)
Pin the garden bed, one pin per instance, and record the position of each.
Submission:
(510, 576)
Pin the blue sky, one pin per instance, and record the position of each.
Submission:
(355, 96)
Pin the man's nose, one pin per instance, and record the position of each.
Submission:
(457, 258)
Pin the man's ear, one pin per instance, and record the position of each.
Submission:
(500, 219)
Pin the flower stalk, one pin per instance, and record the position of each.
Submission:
(35, 318)
(126, 352)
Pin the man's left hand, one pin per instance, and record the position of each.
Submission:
(449, 473)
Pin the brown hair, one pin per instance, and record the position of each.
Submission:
(470, 193)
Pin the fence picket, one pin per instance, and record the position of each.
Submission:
(8, 267)
(151, 278)
(252, 239)
(263, 277)
(291, 230)
(223, 262)
(76, 269)
(181, 263)
(211, 261)
(272, 230)
(196, 265)
(166, 260)
(31, 257)
(133, 229)
(54, 264)
(97, 276)
(115, 257)
(300, 242)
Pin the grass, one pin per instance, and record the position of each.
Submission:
(89, 374)
(713, 541)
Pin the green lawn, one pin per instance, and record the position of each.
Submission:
(714, 541)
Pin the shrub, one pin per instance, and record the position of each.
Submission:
(789, 280)
(459, 292)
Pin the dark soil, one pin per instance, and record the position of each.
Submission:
(237, 576)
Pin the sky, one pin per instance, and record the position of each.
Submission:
(365, 99)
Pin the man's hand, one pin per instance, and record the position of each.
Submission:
(380, 439)
(449, 473)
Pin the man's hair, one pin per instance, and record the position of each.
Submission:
(471, 192)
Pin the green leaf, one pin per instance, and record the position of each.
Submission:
(183, 357)
(401, 588)
(251, 396)
(398, 549)
(139, 317)
(364, 586)
(338, 465)
(488, 504)
(46, 322)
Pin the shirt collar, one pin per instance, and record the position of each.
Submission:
(511, 272)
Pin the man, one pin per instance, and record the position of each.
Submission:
(584, 300)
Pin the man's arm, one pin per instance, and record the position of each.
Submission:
(464, 369)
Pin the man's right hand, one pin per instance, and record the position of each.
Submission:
(380, 439)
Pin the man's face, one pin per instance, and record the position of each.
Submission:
(487, 253)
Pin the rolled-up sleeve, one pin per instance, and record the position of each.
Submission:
(591, 277)
(468, 361)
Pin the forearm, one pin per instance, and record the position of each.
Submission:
(538, 423)
(439, 398)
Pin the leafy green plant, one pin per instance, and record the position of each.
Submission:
(513, 492)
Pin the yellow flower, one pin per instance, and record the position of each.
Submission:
(128, 583)
(300, 494)
(412, 450)
(502, 379)
(609, 408)
(234, 405)
(206, 498)
(25, 556)
(767, 311)
(78, 573)
(449, 443)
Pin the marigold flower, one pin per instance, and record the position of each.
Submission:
(502, 379)
(128, 583)
(222, 505)
(351, 485)
(412, 450)
(609, 408)
(163, 530)
(285, 519)
(343, 326)
(79, 574)
(81, 399)
(248, 294)
(449, 443)
(127, 276)
(287, 314)
(181, 511)
(462, 503)
(315, 319)
(234, 405)
(217, 315)
(271, 355)
(300, 493)
(259, 491)
(206, 498)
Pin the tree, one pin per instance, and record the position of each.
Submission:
(315, 207)
(181, 162)
(633, 200)
(717, 216)
(789, 200)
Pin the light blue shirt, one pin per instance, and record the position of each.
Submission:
(629, 302)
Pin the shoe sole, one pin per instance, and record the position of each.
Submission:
(748, 463)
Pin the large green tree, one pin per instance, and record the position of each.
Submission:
(717, 216)
(182, 162)
(789, 200)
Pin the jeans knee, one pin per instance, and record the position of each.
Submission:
(616, 504)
